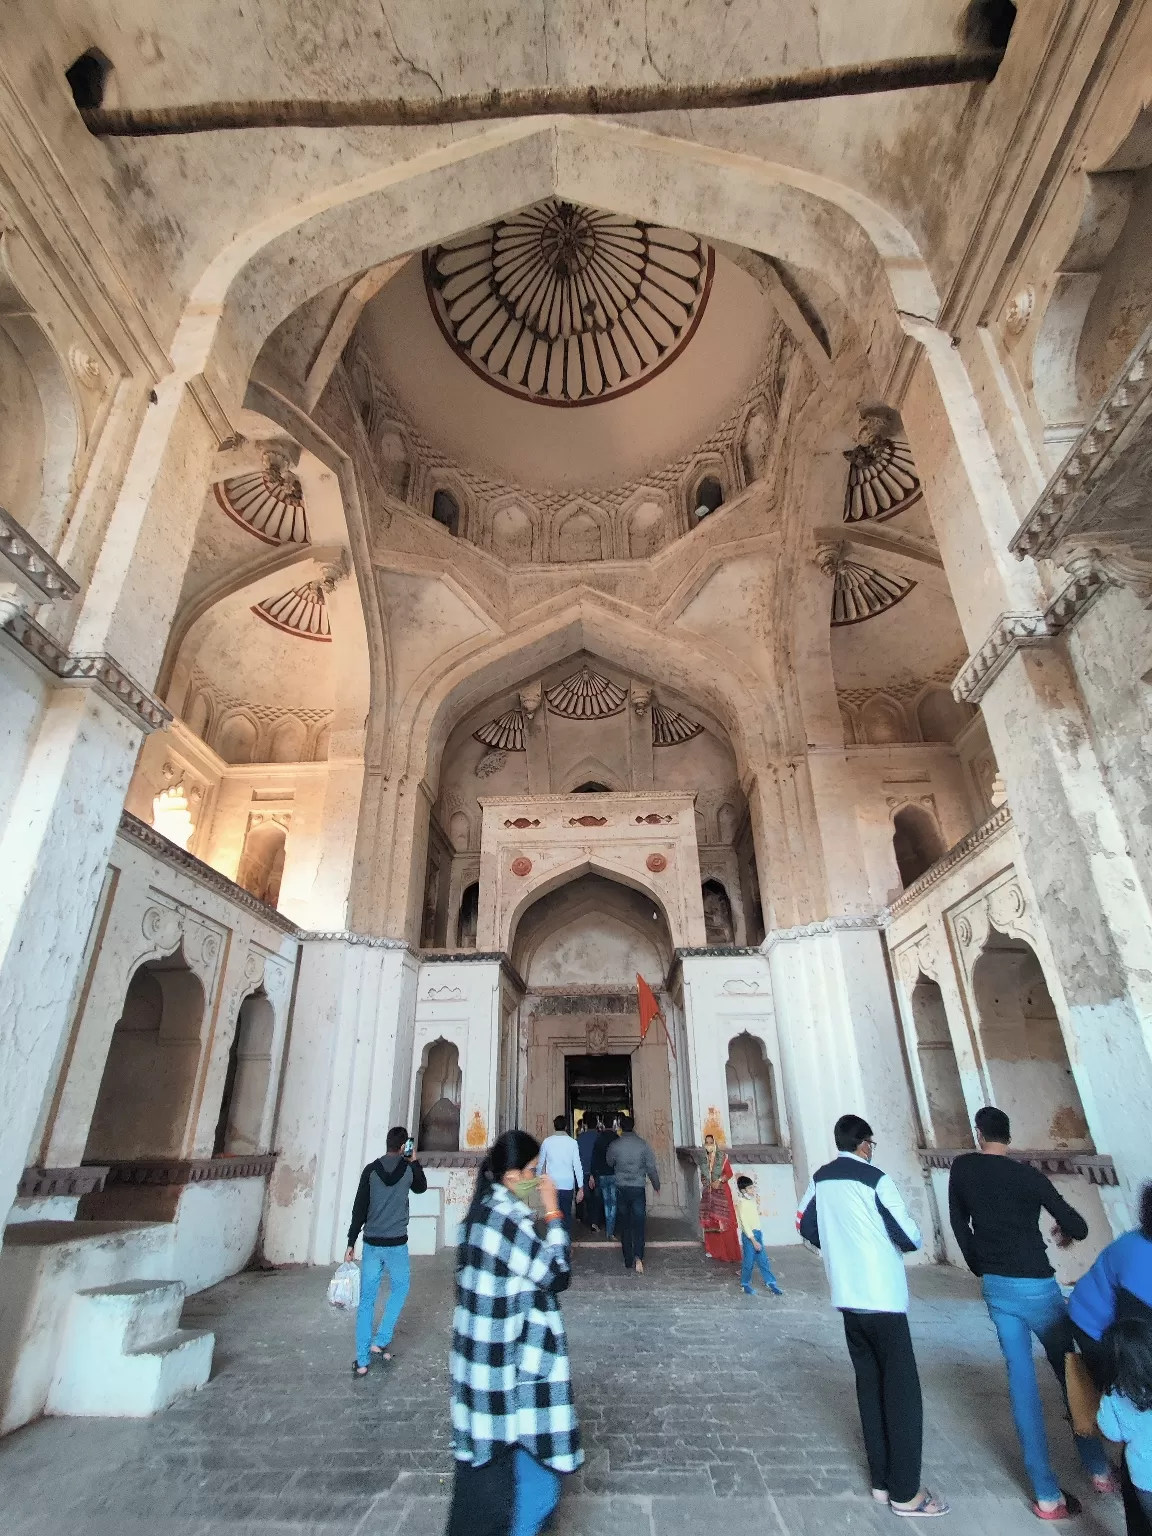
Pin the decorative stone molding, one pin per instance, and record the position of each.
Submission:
(342, 936)
(303, 611)
(1096, 1167)
(269, 502)
(98, 671)
(504, 734)
(1012, 632)
(30, 566)
(586, 695)
(670, 728)
(38, 1183)
(450, 1159)
(882, 479)
(196, 1170)
(999, 820)
(1095, 507)
(566, 305)
(146, 837)
(848, 924)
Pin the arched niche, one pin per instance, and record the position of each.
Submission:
(882, 720)
(582, 535)
(468, 917)
(1028, 1065)
(948, 1120)
(591, 930)
(438, 1090)
(145, 1093)
(261, 865)
(286, 744)
(916, 842)
(512, 534)
(237, 740)
(751, 1094)
(718, 925)
(940, 716)
(707, 496)
(446, 511)
(242, 1103)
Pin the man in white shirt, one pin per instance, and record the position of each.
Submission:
(560, 1160)
(856, 1217)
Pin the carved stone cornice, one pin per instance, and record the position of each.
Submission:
(38, 1183)
(1013, 631)
(139, 832)
(846, 924)
(1000, 819)
(1091, 499)
(98, 670)
(1096, 1167)
(31, 566)
(195, 1170)
(342, 936)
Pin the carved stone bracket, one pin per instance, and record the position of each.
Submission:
(44, 1183)
(1013, 631)
(196, 1170)
(98, 671)
(31, 567)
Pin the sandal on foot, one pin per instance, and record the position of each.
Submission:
(880, 1495)
(929, 1505)
(359, 1371)
(1105, 1483)
(1067, 1509)
(384, 1356)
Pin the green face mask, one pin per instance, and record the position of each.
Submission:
(523, 1189)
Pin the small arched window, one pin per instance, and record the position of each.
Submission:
(469, 918)
(709, 495)
(916, 841)
(591, 788)
(446, 511)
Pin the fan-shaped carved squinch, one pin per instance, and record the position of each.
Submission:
(268, 502)
(670, 728)
(303, 611)
(861, 592)
(586, 695)
(882, 480)
(505, 733)
(567, 305)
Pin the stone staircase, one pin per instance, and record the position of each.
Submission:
(124, 1354)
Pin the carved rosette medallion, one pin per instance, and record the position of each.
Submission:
(656, 862)
(161, 927)
(521, 866)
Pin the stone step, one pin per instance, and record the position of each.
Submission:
(124, 1354)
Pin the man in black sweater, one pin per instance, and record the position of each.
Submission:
(381, 1209)
(994, 1204)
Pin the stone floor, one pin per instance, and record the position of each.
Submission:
(699, 1406)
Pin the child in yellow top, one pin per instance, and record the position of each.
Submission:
(752, 1239)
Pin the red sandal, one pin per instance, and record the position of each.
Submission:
(1067, 1509)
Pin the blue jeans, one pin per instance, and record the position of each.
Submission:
(537, 1493)
(606, 1184)
(1020, 1308)
(373, 1263)
(754, 1261)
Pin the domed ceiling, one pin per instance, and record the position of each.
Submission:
(565, 347)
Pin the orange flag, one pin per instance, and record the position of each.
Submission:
(649, 1010)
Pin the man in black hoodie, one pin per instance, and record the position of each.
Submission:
(381, 1209)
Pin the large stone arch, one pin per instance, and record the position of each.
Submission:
(585, 864)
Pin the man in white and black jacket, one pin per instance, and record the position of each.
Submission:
(381, 1210)
(855, 1215)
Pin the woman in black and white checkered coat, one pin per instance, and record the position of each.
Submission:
(513, 1416)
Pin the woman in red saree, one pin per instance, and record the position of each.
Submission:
(717, 1213)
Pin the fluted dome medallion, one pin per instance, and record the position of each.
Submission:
(669, 728)
(269, 502)
(566, 305)
(586, 695)
(861, 592)
(303, 612)
(882, 480)
(505, 733)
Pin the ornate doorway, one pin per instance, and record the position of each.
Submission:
(600, 1085)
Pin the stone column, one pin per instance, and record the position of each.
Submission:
(1095, 910)
(349, 1064)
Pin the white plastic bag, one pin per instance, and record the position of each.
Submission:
(344, 1287)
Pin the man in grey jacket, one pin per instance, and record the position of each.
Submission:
(381, 1209)
(632, 1160)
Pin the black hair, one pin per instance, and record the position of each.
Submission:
(627, 1124)
(559, 1123)
(397, 1136)
(515, 1149)
(1127, 1348)
(994, 1125)
(1146, 1211)
(744, 1182)
(850, 1131)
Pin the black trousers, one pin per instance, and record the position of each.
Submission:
(1137, 1505)
(888, 1393)
(631, 1219)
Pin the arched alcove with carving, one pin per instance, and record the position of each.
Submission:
(752, 1114)
(261, 866)
(438, 1089)
(239, 1129)
(948, 1120)
(916, 842)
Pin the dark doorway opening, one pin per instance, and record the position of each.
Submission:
(600, 1085)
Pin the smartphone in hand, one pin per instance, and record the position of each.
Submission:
(408, 1148)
